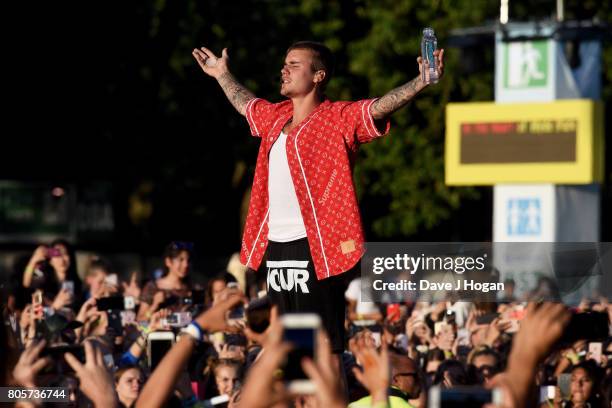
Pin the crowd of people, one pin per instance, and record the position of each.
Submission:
(94, 336)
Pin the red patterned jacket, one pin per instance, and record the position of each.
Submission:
(320, 152)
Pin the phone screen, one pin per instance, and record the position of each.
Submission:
(587, 326)
(68, 286)
(486, 318)
(59, 365)
(159, 348)
(595, 350)
(460, 397)
(236, 313)
(303, 342)
(111, 303)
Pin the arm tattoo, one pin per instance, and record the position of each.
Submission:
(396, 98)
(237, 94)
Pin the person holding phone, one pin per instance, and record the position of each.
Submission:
(52, 269)
(174, 284)
(585, 386)
(303, 213)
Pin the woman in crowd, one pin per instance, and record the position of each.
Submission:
(128, 383)
(53, 270)
(585, 386)
(173, 286)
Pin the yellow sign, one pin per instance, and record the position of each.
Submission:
(558, 142)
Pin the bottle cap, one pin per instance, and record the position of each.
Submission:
(428, 31)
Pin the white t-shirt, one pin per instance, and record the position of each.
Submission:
(353, 292)
(285, 223)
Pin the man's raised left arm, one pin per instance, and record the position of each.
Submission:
(400, 96)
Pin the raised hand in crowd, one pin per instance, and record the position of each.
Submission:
(262, 388)
(27, 325)
(163, 379)
(29, 365)
(62, 299)
(39, 255)
(157, 320)
(324, 375)
(95, 379)
(374, 372)
(495, 330)
(541, 328)
(261, 338)
(132, 289)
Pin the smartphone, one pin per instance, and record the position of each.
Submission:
(68, 286)
(462, 397)
(158, 344)
(393, 312)
(237, 313)
(591, 326)
(595, 351)
(129, 303)
(127, 317)
(111, 280)
(111, 303)
(53, 252)
(37, 309)
(220, 401)
(37, 298)
(59, 364)
(300, 329)
(486, 318)
(235, 340)
(450, 317)
(547, 393)
(177, 319)
(564, 383)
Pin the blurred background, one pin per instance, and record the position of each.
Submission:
(116, 141)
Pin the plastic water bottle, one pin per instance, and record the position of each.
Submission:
(429, 43)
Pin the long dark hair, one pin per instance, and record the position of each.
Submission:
(456, 372)
(71, 273)
(173, 250)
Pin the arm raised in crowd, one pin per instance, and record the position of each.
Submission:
(541, 328)
(39, 255)
(161, 383)
(94, 378)
(218, 68)
(400, 96)
(374, 373)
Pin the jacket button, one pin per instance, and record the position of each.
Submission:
(261, 245)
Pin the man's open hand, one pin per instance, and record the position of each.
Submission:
(210, 63)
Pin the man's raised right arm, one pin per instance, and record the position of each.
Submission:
(217, 68)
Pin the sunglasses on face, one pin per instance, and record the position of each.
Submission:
(407, 374)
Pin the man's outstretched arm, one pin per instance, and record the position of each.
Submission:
(217, 68)
(400, 96)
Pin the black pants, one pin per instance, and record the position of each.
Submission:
(293, 286)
